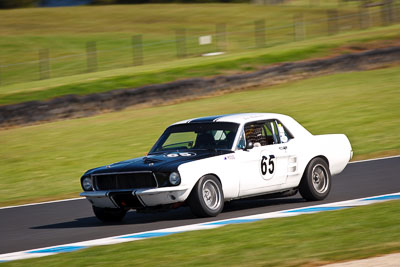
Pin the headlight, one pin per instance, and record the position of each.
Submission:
(174, 178)
(87, 184)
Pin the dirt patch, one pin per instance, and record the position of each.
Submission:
(74, 106)
(391, 260)
(359, 47)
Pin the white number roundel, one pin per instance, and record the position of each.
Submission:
(267, 166)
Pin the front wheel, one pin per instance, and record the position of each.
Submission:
(316, 181)
(206, 198)
(109, 215)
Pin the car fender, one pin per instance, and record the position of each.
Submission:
(222, 166)
(335, 148)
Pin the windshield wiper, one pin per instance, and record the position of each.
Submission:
(174, 144)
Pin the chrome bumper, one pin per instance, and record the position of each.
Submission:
(144, 196)
(101, 199)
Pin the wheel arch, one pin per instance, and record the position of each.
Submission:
(319, 156)
(212, 174)
(207, 174)
(322, 157)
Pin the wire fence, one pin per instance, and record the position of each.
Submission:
(187, 43)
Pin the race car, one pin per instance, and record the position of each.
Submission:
(205, 162)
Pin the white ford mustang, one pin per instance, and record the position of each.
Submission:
(205, 162)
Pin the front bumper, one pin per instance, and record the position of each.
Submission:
(136, 198)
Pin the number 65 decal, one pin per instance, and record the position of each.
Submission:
(268, 166)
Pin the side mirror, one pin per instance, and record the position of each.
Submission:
(249, 145)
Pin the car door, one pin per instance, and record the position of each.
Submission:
(263, 164)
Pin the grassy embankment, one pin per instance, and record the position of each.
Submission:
(197, 67)
(65, 32)
(45, 161)
(306, 240)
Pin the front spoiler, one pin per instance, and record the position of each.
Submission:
(146, 197)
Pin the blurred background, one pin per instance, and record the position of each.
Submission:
(54, 48)
(40, 43)
(78, 82)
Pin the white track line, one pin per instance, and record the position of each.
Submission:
(41, 203)
(366, 160)
(41, 252)
(78, 198)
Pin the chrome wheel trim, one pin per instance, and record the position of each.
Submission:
(319, 178)
(211, 195)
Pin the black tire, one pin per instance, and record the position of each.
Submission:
(109, 215)
(206, 198)
(316, 181)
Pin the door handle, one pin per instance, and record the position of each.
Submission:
(283, 147)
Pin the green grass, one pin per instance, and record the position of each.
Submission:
(65, 32)
(193, 67)
(161, 76)
(45, 161)
(305, 240)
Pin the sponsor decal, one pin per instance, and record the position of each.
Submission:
(182, 154)
(229, 157)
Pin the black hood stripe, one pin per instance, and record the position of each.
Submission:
(155, 162)
(207, 119)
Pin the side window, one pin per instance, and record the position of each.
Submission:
(255, 134)
(271, 130)
(263, 133)
(242, 142)
(284, 134)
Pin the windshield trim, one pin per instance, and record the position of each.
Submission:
(235, 126)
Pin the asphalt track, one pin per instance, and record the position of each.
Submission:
(37, 226)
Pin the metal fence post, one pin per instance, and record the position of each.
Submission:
(386, 12)
(363, 17)
(390, 11)
(333, 27)
(396, 12)
(220, 36)
(259, 33)
(365, 20)
(44, 64)
(137, 50)
(314, 2)
(383, 15)
(299, 30)
(180, 36)
(91, 56)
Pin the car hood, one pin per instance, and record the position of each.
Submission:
(160, 162)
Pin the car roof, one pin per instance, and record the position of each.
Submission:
(243, 118)
(237, 118)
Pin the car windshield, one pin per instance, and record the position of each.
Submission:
(216, 135)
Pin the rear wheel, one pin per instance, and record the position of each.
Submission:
(207, 198)
(109, 215)
(316, 181)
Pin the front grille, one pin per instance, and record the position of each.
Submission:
(126, 200)
(124, 181)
